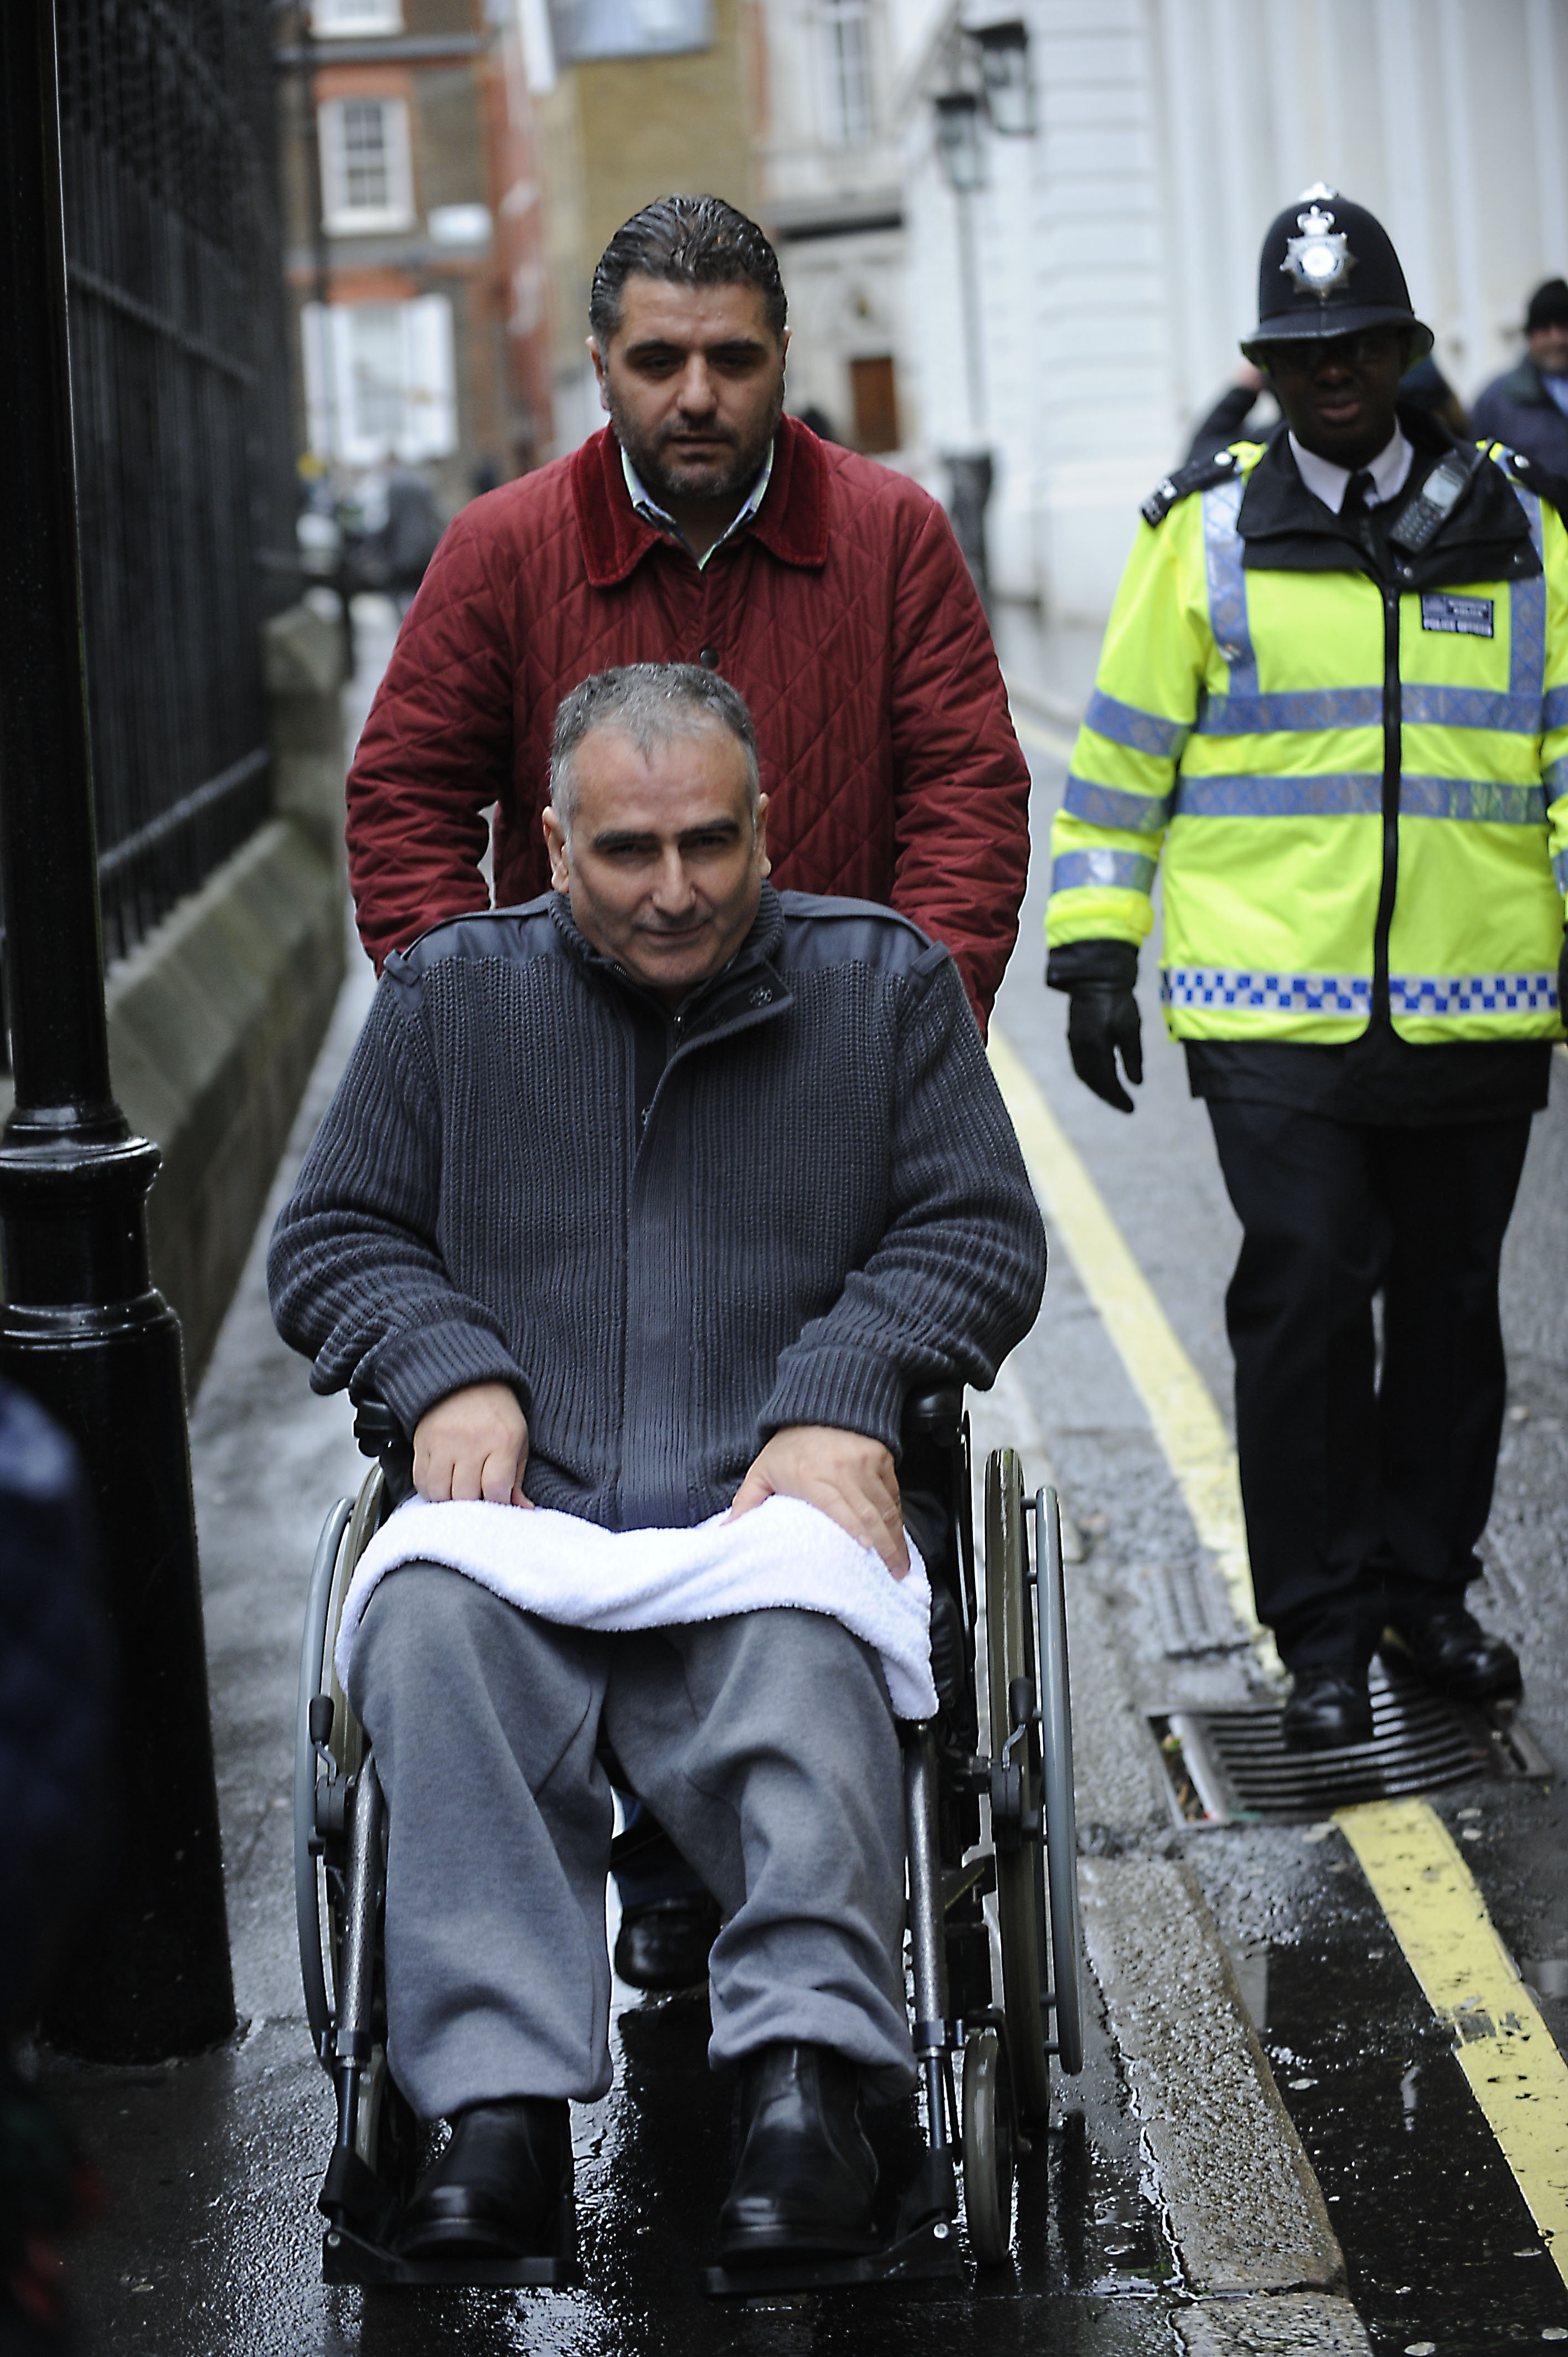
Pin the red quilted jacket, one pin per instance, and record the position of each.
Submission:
(845, 616)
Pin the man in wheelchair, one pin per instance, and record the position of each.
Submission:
(648, 1202)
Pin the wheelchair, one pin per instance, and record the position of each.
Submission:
(992, 1883)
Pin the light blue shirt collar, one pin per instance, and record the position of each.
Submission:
(651, 513)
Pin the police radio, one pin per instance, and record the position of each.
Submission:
(1436, 499)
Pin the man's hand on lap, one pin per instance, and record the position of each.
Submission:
(473, 1444)
(846, 1476)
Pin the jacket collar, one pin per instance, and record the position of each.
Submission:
(1286, 529)
(791, 523)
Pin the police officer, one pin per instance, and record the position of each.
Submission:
(1335, 690)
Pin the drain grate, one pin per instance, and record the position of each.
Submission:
(1231, 1767)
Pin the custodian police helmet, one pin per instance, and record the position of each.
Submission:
(1328, 268)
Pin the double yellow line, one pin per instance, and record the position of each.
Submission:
(1419, 1878)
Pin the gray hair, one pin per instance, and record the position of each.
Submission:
(650, 703)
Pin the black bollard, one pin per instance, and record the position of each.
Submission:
(80, 1326)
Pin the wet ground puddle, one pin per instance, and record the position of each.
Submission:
(1443, 2257)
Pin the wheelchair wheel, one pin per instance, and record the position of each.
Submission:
(1020, 1869)
(1061, 1809)
(345, 1536)
(990, 2148)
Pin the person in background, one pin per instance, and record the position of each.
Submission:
(1527, 409)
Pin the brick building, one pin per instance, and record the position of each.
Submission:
(415, 257)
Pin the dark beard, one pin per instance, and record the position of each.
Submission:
(728, 482)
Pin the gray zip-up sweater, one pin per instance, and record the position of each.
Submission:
(791, 1203)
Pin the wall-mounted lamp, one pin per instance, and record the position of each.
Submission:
(1004, 68)
(961, 142)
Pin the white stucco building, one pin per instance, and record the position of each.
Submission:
(1116, 247)
(827, 164)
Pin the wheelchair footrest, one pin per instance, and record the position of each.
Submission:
(932, 2250)
(348, 2258)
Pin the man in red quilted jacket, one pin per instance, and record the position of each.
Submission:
(703, 525)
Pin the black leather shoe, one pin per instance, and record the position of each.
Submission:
(664, 1944)
(496, 2189)
(1328, 1709)
(1452, 1652)
(807, 2173)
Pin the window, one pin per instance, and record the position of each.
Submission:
(333, 19)
(379, 379)
(366, 183)
(846, 72)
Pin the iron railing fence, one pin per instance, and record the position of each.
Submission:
(183, 431)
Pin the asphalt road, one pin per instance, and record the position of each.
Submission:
(209, 2240)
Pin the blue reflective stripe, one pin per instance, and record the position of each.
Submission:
(1527, 618)
(1471, 707)
(1554, 711)
(1472, 994)
(1560, 869)
(1300, 709)
(1144, 732)
(1532, 506)
(1110, 806)
(1279, 993)
(1358, 793)
(1554, 780)
(1223, 551)
(1335, 993)
(1351, 795)
(1362, 707)
(1485, 802)
(1118, 871)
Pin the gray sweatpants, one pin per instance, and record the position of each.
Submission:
(765, 1744)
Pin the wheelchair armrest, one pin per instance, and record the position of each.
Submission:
(379, 1434)
(375, 1427)
(934, 1415)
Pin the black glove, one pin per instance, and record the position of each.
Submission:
(1103, 1017)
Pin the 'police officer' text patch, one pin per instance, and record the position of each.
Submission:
(1471, 616)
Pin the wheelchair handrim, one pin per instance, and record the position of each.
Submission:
(307, 1867)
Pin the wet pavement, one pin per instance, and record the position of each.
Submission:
(210, 2243)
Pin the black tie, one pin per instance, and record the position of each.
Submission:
(1358, 493)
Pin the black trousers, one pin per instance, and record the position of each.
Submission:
(1364, 1496)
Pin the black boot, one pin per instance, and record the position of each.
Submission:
(495, 2191)
(807, 2173)
(1328, 1708)
(1452, 1652)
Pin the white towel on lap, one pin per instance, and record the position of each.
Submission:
(783, 1551)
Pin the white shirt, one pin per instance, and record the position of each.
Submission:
(1328, 482)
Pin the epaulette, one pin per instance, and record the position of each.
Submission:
(1198, 475)
(1552, 488)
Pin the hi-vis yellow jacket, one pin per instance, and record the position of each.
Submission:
(1358, 787)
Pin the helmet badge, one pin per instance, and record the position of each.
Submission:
(1320, 259)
